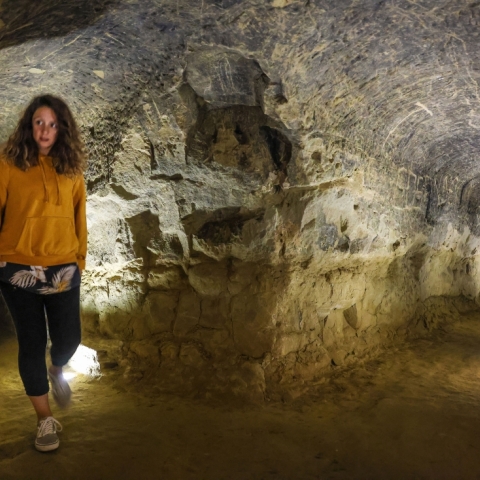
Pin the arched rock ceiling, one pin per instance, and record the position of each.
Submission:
(394, 80)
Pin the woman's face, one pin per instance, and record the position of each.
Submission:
(45, 129)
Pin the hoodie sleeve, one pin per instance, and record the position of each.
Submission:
(4, 180)
(80, 209)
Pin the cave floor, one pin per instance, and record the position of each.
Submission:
(412, 412)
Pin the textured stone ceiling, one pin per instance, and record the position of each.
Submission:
(393, 81)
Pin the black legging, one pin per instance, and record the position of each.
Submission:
(30, 313)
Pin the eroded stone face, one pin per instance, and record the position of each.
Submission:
(276, 188)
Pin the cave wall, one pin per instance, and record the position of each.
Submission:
(254, 266)
(259, 290)
(276, 188)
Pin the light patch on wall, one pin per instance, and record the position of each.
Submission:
(84, 361)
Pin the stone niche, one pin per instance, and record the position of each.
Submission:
(225, 123)
(233, 256)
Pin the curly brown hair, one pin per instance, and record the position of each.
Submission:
(67, 152)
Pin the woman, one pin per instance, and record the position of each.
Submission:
(43, 243)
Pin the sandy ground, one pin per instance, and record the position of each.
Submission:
(411, 413)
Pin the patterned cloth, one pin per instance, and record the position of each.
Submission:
(41, 280)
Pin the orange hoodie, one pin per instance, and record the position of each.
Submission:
(42, 216)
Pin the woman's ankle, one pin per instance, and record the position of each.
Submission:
(54, 370)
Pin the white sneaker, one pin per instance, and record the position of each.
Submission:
(60, 390)
(47, 438)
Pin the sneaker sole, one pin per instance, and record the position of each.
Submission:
(61, 396)
(47, 448)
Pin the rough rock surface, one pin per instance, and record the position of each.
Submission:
(276, 188)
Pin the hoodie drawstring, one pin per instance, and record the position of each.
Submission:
(47, 195)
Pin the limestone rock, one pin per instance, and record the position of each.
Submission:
(268, 195)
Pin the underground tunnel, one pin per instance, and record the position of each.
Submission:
(283, 236)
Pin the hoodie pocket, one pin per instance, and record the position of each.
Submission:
(47, 236)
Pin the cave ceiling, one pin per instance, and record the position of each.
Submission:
(395, 81)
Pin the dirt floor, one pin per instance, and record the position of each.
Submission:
(411, 413)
